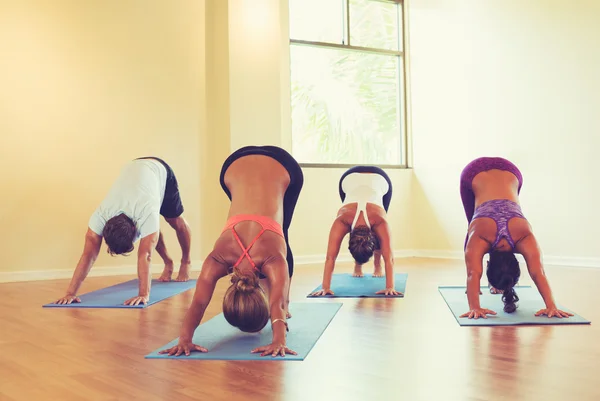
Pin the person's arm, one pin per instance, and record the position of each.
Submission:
(91, 249)
(212, 271)
(474, 252)
(276, 270)
(144, 261)
(530, 249)
(382, 230)
(338, 231)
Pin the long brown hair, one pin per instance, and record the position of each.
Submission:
(245, 304)
(503, 273)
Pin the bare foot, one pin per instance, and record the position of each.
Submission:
(184, 272)
(167, 272)
(288, 315)
(378, 272)
(357, 272)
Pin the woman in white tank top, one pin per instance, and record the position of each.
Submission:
(366, 192)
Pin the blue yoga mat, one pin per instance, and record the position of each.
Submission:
(530, 301)
(114, 296)
(346, 286)
(227, 343)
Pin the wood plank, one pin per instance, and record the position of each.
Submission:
(409, 348)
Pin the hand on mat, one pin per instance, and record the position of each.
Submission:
(320, 293)
(274, 350)
(550, 312)
(477, 313)
(136, 300)
(183, 348)
(68, 299)
(389, 291)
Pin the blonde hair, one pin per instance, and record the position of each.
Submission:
(245, 304)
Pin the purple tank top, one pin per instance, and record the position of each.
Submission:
(501, 211)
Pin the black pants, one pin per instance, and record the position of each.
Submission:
(369, 169)
(171, 206)
(291, 194)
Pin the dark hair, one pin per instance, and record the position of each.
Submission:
(245, 304)
(362, 244)
(119, 233)
(503, 273)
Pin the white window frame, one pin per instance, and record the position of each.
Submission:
(402, 80)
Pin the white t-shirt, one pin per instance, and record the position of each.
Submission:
(138, 193)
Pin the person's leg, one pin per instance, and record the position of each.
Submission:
(184, 236)
(288, 315)
(357, 270)
(290, 200)
(161, 249)
(378, 271)
(172, 210)
(466, 190)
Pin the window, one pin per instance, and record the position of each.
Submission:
(347, 77)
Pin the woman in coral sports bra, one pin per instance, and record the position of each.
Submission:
(366, 192)
(489, 188)
(263, 184)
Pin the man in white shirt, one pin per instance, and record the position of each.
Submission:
(145, 189)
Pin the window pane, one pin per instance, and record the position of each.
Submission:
(345, 106)
(374, 24)
(317, 20)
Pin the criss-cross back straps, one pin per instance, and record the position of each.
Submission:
(244, 249)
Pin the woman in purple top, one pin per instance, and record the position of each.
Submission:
(490, 187)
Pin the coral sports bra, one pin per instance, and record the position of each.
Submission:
(267, 224)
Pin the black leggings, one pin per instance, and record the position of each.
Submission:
(291, 194)
(369, 169)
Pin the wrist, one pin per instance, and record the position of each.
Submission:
(278, 339)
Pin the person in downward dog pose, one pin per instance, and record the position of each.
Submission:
(490, 188)
(263, 184)
(145, 190)
(366, 192)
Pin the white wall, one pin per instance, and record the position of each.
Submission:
(86, 86)
(517, 79)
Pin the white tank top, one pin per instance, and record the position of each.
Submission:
(363, 188)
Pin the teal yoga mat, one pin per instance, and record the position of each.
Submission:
(114, 296)
(225, 342)
(530, 302)
(346, 286)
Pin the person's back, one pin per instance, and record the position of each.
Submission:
(138, 192)
(496, 190)
(257, 184)
(495, 184)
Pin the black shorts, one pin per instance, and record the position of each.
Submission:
(171, 206)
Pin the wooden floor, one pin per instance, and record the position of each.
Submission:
(374, 349)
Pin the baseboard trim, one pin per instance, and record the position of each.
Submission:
(97, 271)
(103, 271)
(563, 261)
